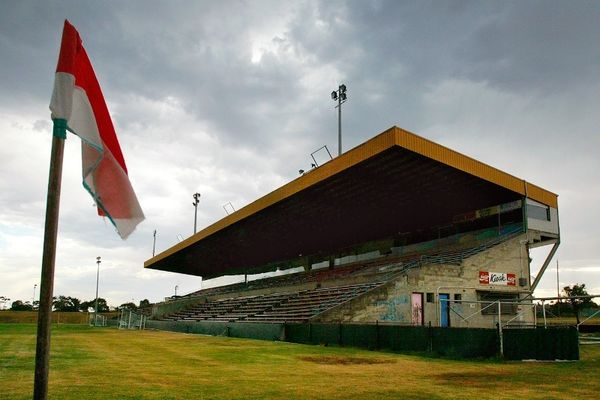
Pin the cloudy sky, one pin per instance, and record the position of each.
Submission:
(229, 99)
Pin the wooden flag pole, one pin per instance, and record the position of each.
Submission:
(42, 351)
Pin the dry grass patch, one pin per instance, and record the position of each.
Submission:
(339, 360)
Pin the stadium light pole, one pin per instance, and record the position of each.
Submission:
(196, 197)
(154, 243)
(97, 279)
(341, 97)
(33, 298)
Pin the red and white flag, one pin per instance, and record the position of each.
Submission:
(77, 98)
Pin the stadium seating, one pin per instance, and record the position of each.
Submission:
(277, 307)
(299, 297)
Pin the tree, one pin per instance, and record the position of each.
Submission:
(144, 303)
(66, 303)
(90, 306)
(102, 304)
(128, 306)
(18, 305)
(85, 306)
(578, 297)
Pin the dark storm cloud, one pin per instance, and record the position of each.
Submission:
(397, 51)
(29, 41)
(203, 57)
(538, 46)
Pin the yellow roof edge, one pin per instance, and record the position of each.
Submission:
(393, 136)
(379, 143)
(473, 166)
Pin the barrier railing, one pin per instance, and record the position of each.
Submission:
(582, 312)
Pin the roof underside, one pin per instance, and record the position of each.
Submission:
(396, 182)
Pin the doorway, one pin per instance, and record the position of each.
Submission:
(444, 299)
(417, 309)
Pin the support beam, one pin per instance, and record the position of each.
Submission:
(545, 265)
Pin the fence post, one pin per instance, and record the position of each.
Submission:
(430, 337)
(500, 329)
(377, 334)
(544, 313)
(284, 333)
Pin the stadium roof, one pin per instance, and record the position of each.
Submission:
(395, 182)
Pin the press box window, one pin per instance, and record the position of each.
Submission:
(538, 212)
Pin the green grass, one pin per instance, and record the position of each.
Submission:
(105, 363)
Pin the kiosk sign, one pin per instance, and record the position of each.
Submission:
(497, 278)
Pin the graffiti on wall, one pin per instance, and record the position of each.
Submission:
(393, 309)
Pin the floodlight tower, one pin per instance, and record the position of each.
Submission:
(97, 279)
(154, 243)
(196, 197)
(339, 96)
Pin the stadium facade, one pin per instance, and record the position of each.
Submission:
(399, 230)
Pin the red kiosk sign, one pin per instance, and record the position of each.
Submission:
(497, 278)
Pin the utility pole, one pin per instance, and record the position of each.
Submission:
(97, 280)
(196, 197)
(557, 289)
(339, 96)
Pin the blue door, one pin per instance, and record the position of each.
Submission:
(444, 309)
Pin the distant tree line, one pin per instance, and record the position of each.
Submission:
(576, 298)
(73, 304)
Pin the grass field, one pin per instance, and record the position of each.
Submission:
(105, 363)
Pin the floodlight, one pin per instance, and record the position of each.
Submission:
(339, 96)
(196, 197)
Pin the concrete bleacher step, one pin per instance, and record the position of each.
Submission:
(299, 305)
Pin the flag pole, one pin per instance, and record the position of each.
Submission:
(42, 351)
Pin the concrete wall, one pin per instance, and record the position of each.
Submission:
(392, 302)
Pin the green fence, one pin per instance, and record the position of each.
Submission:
(541, 344)
(246, 330)
(559, 343)
(460, 342)
(468, 343)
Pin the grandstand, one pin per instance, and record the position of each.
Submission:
(398, 230)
